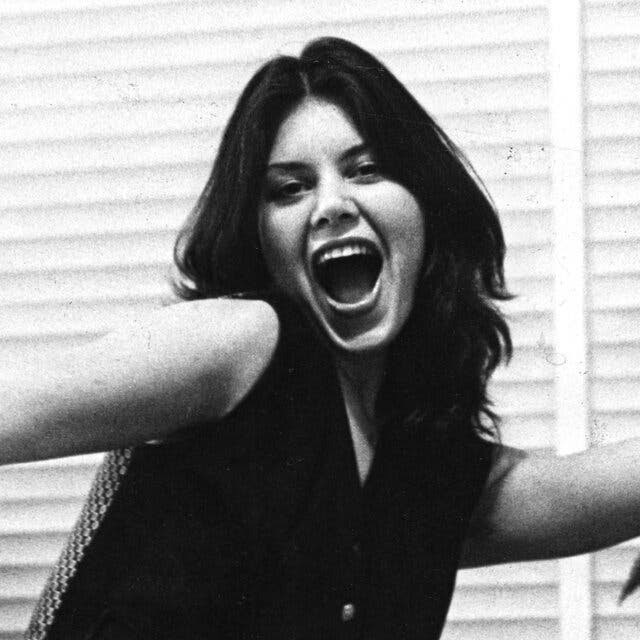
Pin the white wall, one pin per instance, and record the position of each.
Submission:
(110, 113)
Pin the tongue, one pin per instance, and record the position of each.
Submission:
(349, 280)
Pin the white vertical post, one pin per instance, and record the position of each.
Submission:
(570, 339)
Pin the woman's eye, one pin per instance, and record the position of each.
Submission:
(291, 188)
(368, 169)
(286, 191)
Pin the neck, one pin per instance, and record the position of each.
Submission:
(360, 377)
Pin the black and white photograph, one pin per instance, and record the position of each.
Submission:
(319, 321)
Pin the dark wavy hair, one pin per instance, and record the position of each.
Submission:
(439, 365)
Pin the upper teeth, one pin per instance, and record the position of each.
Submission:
(343, 252)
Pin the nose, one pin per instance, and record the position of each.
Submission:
(333, 205)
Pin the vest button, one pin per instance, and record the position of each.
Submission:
(348, 612)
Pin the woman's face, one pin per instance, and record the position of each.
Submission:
(338, 235)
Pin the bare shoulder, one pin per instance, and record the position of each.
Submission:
(252, 321)
(237, 337)
(505, 459)
(485, 543)
(217, 324)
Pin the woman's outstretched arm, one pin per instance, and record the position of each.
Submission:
(542, 506)
(179, 366)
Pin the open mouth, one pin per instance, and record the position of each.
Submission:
(348, 274)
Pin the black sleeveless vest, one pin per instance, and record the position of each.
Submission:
(257, 527)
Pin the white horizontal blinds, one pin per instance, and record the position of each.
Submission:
(612, 32)
(110, 114)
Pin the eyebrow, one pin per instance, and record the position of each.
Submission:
(349, 153)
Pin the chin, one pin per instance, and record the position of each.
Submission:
(366, 334)
(364, 344)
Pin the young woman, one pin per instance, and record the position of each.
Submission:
(315, 454)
